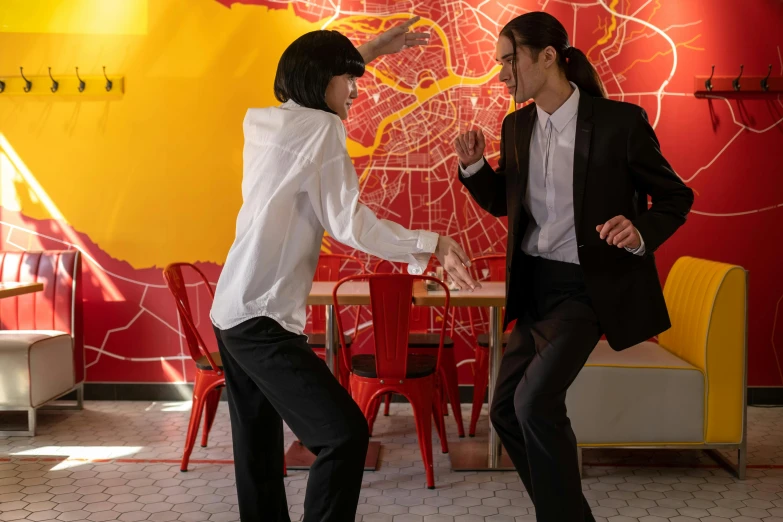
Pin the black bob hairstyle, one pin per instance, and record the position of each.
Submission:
(309, 64)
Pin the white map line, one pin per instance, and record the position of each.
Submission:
(506, 9)
(742, 127)
(142, 309)
(135, 359)
(665, 37)
(86, 254)
(334, 16)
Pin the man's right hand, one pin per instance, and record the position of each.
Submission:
(455, 261)
(470, 147)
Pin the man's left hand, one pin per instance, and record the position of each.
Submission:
(393, 41)
(620, 231)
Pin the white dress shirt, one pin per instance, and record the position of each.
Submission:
(297, 181)
(549, 198)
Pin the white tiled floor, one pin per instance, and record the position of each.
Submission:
(119, 461)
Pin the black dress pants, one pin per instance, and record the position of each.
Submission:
(272, 376)
(546, 351)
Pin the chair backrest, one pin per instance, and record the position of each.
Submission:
(391, 300)
(419, 315)
(707, 303)
(331, 267)
(490, 267)
(57, 307)
(174, 276)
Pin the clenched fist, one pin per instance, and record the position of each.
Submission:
(470, 147)
(620, 232)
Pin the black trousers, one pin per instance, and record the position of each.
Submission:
(545, 352)
(272, 376)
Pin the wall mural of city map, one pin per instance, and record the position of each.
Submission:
(154, 178)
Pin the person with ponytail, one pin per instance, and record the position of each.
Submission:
(574, 174)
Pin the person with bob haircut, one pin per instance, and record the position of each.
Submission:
(298, 181)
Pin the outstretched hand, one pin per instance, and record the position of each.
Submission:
(455, 261)
(394, 40)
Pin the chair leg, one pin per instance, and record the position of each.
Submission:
(372, 413)
(437, 413)
(368, 406)
(451, 387)
(80, 397)
(422, 399)
(195, 420)
(386, 405)
(210, 410)
(480, 382)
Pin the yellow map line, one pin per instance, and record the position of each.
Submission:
(608, 30)
(423, 94)
(659, 54)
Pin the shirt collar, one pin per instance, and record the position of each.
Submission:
(564, 114)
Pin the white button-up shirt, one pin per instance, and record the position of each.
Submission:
(549, 198)
(297, 181)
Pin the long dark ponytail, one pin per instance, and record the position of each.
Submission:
(539, 30)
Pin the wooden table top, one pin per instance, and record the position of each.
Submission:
(490, 294)
(358, 293)
(13, 289)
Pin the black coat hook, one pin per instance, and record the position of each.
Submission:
(2, 85)
(108, 81)
(764, 82)
(27, 83)
(81, 82)
(55, 83)
(736, 82)
(708, 83)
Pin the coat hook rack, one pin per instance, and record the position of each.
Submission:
(55, 83)
(62, 87)
(28, 85)
(736, 83)
(741, 86)
(765, 81)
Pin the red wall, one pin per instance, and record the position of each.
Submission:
(729, 151)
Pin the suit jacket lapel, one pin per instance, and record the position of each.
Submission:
(522, 136)
(584, 133)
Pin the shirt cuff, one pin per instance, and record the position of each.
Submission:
(471, 169)
(641, 250)
(427, 243)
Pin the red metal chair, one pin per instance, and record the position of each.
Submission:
(210, 379)
(393, 368)
(422, 341)
(329, 268)
(490, 267)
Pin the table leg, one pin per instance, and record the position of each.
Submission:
(495, 354)
(476, 455)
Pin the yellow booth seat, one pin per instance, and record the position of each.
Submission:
(688, 390)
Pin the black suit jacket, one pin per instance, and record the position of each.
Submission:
(617, 165)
